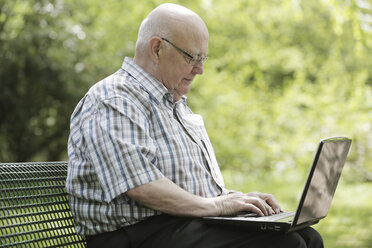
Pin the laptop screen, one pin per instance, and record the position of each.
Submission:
(322, 181)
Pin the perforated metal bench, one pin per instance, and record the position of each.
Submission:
(34, 210)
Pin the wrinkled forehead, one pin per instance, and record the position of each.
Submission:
(191, 35)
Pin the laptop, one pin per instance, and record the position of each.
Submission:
(316, 198)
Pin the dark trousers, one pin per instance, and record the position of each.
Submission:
(168, 231)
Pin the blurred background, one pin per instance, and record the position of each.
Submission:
(281, 75)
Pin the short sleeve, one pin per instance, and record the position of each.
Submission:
(120, 147)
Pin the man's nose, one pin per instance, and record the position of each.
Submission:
(198, 68)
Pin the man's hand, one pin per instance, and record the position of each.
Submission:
(165, 196)
(259, 203)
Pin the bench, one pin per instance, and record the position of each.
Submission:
(34, 210)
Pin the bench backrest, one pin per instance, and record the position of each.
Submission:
(34, 210)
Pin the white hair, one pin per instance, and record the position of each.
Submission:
(151, 27)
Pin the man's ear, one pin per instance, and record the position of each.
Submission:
(155, 49)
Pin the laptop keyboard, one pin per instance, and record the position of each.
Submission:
(273, 217)
(279, 216)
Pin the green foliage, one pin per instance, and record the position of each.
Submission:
(38, 55)
(280, 76)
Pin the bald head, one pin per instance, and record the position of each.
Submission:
(169, 21)
(169, 39)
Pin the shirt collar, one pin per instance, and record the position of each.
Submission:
(147, 81)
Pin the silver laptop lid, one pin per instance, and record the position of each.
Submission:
(322, 180)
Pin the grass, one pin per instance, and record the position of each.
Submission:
(349, 221)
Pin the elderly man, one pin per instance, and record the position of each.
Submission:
(141, 166)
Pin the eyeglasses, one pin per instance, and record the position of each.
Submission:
(192, 60)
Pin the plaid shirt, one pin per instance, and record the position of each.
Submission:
(126, 132)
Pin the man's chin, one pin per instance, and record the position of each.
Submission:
(177, 95)
(183, 91)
